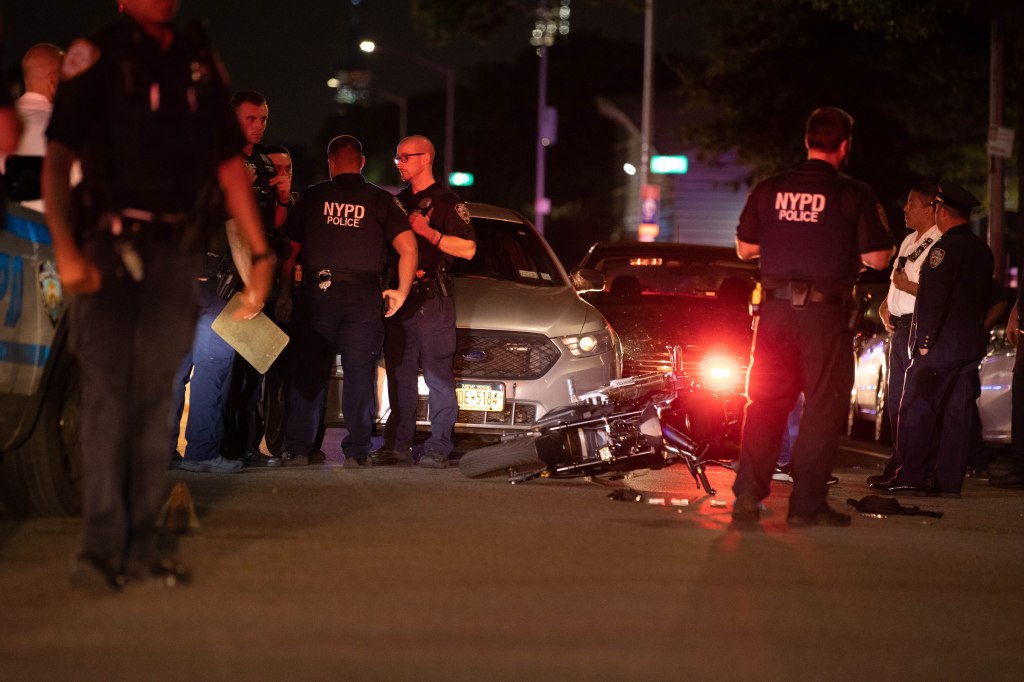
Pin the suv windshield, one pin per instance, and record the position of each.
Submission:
(508, 251)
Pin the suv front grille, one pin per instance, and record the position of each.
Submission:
(503, 355)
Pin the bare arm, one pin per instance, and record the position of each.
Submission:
(903, 283)
(405, 245)
(242, 206)
(241, 256)
(877, 260)
(883, 312)
(446, 243)
(747, 251)
(77, 274)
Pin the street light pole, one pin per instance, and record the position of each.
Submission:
(448, 72)
(541, 203)
(645, 111)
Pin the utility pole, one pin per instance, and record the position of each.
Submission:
(550, 22)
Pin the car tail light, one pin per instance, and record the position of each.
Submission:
(720, 372)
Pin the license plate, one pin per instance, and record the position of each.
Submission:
(481, 397)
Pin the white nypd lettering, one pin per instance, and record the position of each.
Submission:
(343, 215)
(799, 207)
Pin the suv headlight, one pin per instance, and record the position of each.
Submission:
(585, 345)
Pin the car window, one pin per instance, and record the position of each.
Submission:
(508, 251)
(653, 275)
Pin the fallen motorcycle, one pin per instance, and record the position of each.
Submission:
(649, 421)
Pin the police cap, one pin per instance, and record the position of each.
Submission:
(956, 197)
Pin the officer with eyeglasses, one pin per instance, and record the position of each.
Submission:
(422, 334)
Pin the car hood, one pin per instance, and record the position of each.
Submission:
(500, 305)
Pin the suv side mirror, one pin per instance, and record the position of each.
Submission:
(587, 279)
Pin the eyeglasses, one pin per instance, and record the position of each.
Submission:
(404, 158)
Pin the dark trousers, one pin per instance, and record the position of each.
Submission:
(796, 351)
(129, 339)
(347, 320)
(899, 362)
(243, 424)
(937, 407)
(422, 338)
(209, 361)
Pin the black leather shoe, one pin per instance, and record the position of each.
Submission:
(1013, 480)
(878, 478)
(826, 517)
(389, 457)
(894, 487)
(746, 509)
(258, 459)
(317, 457)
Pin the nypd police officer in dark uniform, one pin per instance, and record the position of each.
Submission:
(133, 98)
(422, 335)
(343, 227)
(947, 341)
(811, 226)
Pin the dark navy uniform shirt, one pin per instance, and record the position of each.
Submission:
(954, 295)
(448, 215)
(813, 222)
(150, 126)
(345, 224)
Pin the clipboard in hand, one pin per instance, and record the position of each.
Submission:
(258, 340)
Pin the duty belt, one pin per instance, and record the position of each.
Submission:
(424, 287)
(812, 296)
(901, 319)
(326, 276)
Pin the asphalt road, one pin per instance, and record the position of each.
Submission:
(329, 573)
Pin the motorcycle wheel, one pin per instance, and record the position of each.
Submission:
(519, 454)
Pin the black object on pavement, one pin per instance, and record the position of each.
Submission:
(876, 504)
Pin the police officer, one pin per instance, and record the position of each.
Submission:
(343, 226)
(947, 341)
(243, 427)
(811, 226)
(132, 97)
(422, 335)
(897, 310)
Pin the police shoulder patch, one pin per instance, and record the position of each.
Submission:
(79, 58)
(463, 212)
(936, 256)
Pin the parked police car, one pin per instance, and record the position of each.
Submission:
(40, 466)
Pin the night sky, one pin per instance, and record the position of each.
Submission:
(288, 50)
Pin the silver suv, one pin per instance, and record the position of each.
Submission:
(526, 339)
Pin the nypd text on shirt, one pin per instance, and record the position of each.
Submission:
(343, 215)
(799, 207)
